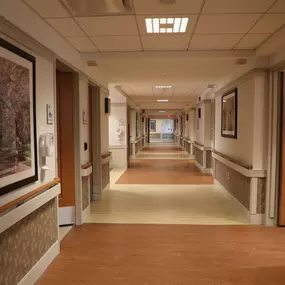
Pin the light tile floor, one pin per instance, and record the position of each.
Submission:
(165, 204)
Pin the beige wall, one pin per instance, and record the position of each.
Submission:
(104, 123)
(251, 121)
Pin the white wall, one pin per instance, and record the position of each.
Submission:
(118, 112)
(164, 126)
(192, 124)
(200, 129)
(104, 124)
(251, 121)
(45, 86)
(84, 128)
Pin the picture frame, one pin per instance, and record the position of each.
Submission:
(152, 125)
(18, 140)
(49, 114)
(229, 114)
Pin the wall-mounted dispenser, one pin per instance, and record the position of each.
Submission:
(46, 149)
(120, 134)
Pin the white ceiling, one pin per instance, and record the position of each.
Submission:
(214, 25)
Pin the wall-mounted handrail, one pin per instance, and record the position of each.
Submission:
(28, 196)
(86, 165)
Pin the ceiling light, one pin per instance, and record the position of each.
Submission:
(163, 86)
(164, 100)
(166, 25)
(161, 111)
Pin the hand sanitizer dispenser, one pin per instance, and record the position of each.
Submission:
(46, 148)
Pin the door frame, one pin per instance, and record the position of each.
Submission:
(96, 141)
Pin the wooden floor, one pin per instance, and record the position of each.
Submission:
(160, 149)
(164, 171)
(96, 254)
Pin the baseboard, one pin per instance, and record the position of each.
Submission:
(35, 273)
(204, 170)
(253, 219)
(86, 213)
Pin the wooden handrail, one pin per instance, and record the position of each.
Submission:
(105, 155)
(29, 195)
(232, 160)
(86, 165)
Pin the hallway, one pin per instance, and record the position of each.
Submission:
(167, 189)
(149, 232)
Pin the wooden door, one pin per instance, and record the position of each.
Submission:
(65, 138)
(281, 208)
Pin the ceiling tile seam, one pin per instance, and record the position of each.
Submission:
(139, 33)
(85, 34)
(196, 24)
(254, 24)
(45, 20)
(270, 36)
(65, 8)
(173, 92)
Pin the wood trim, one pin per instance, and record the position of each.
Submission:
(29, 195)
(252, 173)
(105, 155)
(86, 165)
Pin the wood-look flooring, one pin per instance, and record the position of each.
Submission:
(97, 254)
(164, 171)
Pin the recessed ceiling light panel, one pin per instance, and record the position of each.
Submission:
(163, 100)
(166, 25)
(163, 86)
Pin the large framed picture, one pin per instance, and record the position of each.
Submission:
(18, 143)
(152, 125)
(229, 114)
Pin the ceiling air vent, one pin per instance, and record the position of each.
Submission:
(89, 8)
(91, 63)
(168, 2)
(241, 61)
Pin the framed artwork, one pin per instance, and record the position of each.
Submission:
(49, 114)
(18, 139)
(229, 114)
(152, 125)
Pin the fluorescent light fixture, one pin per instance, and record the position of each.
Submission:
(163, 100)
(166, 25)
(163, 86)
(161, 111)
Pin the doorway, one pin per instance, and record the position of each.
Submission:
(66, 82)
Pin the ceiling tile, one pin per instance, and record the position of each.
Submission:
(108, 25)
(209, 42)
(252, 41)
(48, 8)
(165, 42)
(278, 7)
(82, 44)
(117, 43)
(153, 7)
(67, 27)
(190, 27)
(237, 6)
(226, 24)
(269, 23)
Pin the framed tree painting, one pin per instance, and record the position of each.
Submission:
(18, 143)
(229, 114)
(152, 125)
